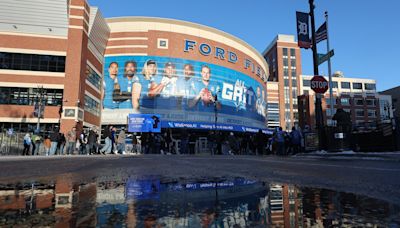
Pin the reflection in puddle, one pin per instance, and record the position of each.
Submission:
(155, 202)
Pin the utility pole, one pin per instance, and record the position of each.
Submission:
(331, 104)
(39, 107)
(318, 106)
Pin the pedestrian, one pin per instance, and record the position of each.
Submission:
(61, 144)
(33, 142)
(47, 145)
(121, 141)
(92, 140)
(107, 138)
(54, 138)
(82, 143)
(295, 140)
(157, 142)
(219, 141)
(143, 141)
(27, 144)
(168, 141)
(184, 141)
(211, 142)
(135, 144)
(151, 143)
(252, 144)
(244, 143)
(71, 140)
(113, 140)
(233, 144)
(279, 138)
(192, 143)
(260, 141)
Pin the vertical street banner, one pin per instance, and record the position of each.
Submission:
(303, 32)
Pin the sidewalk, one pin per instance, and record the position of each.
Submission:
(394, 156)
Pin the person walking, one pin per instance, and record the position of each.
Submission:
(83, 143)
(168, 141)
(47, 145)
(192, 143)
(35, 144)
(244, 143)
(233, 144)
(113, 138)
(121, 141)
(27, 144)
(71, 139)
(260, 142)
(295, 140)
(54, 138)
(211, 142)
(92, 140)
(135, 144)
(279, 138)
(61, 143)
(184, 141)
(107, 138)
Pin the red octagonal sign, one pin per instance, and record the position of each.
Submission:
(319, 84)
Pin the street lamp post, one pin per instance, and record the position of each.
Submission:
(215, 123)
(215, 111)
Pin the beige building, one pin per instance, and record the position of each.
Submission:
(355, 95)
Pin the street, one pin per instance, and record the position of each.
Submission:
(376, 178)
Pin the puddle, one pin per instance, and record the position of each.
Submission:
(155, 202)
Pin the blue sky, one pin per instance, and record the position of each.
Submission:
(363, 33)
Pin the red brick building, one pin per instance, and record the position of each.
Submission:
(284, 59)
(62, 53)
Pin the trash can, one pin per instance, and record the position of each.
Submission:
(337, 139)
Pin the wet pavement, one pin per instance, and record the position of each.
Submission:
(208, 202)
(187, 191)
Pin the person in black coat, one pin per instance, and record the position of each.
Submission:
(92, 140)
(260, 141)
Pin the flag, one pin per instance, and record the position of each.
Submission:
(321, 34)
(303, 33)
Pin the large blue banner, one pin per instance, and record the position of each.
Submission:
(181, 90)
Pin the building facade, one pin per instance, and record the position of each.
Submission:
(58, 66)
(273, 105)
(53, 61)
(284, 59)
(357, 96)
(193, 76)
(393, 103)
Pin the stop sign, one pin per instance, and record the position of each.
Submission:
(319, 84)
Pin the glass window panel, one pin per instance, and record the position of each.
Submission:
(345, 85)
(357, 85)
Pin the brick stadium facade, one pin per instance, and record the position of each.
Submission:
(65, 55)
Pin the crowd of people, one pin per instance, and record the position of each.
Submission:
(57, 143)
(115, 142)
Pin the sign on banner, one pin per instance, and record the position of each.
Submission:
(144, 123)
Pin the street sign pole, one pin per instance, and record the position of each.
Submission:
(329, 67)
(318, 106)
